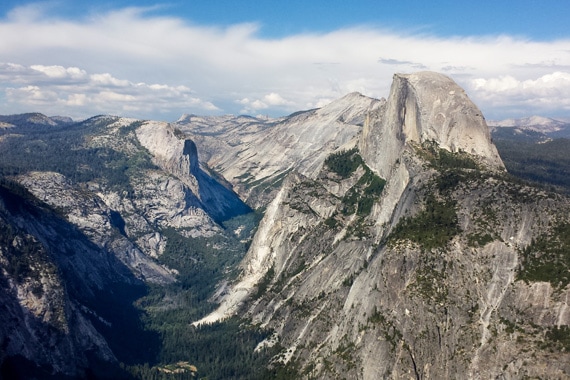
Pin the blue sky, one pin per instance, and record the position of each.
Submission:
(158, 60)
(537, 19)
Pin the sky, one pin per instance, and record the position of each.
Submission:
(159, 60)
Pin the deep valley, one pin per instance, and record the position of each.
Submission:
(370, 238)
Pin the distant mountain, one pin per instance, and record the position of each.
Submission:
(255, 155)
(533, 125)
(32, 119)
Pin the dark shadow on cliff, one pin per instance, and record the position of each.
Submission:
(220, 202)
(96, 286)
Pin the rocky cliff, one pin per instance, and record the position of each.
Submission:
(54, 321)
(393, 244)
(416, 257)
(255, 155)
(179, 157)
(425, 107)
(87, 213)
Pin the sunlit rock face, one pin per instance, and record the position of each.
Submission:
(255, 154)
(178, 156)
(393, 244)
(422, 107)
(427, 282)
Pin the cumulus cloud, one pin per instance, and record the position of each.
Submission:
(60, 72)
(161, 67)
(269, 100)
(550, 92)
(64, 90)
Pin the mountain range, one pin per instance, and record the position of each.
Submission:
(535, 126)
(371, 238)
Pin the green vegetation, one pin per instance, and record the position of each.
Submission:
(443, 159)
(432, 227)
(64, 150)
(202, 263)
(222, 350)
(547, 258)
(348, 281)
(542, 162)
(345, 351)
(437, 223)
(559, 337)
(344, 163)
(264, 282)
(511, 327)
(361, 197)
(430, 283)
(331, 222)
(389, 330)
(479, 239)
(454, 168)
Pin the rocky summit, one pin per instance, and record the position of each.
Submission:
(420, 260)
(388, 241)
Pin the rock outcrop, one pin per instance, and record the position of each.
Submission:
(179, 157)
(424, 277)
(53, 292)
(96, 220)
(425, 107)
(255, 155)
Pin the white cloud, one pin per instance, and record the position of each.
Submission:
(35, 95)
(272, 99)
(71, 90)
(550, 92)
(76, 100)
(60, 72)
(107, 79)
(162, 67)
(275, 99)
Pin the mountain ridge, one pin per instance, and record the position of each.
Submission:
(256, 154)
(392, 132)
(533, 127)
(343, 284)
(392, 244)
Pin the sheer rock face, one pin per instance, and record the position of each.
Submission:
(255, 154)
(50, 289)
(423, 107)
(349, 297)
(179, 156)
(96, 220)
